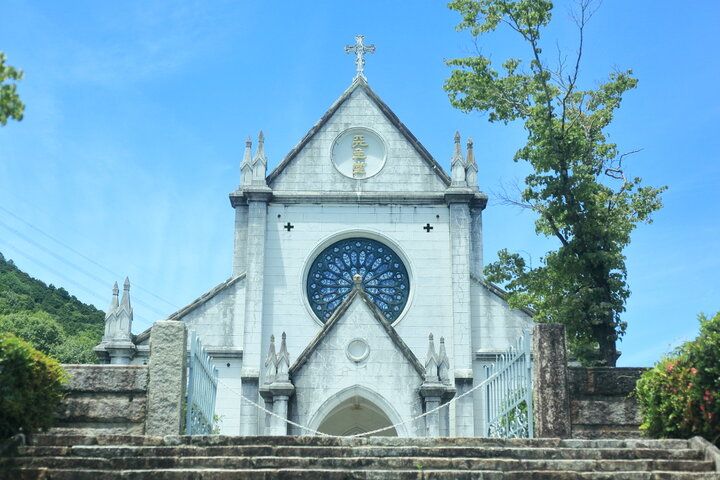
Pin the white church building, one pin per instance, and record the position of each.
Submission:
(356, 300)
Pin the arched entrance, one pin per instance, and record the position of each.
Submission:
(356, 415)
(357, 410)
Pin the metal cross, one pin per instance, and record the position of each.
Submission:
(359, 49)
(289, 226)
(428, 227)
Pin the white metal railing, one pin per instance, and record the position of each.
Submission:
(202, 390)
(507, 393)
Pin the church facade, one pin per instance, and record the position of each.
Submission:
(356, 300)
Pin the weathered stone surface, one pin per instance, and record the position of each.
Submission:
(610, 411)
(107, 378)
(550, 392)
(167, 377)
(102, 408)
(601, 402)
(603, 380)
(208, 457)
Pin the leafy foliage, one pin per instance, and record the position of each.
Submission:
(578, 187)
(10, 104)
(30, 387)
(49, 318)
(680, 396)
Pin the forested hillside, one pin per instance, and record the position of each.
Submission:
(48, 317)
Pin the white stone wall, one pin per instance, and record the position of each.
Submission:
(426, 255)
(227, 403)
(385, 371)
(219, 320)
(495, 326)
(404, 170)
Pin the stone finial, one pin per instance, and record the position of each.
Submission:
(114, 302)
(125, 302)
(443, 363)
(471, 170)
(271, 362)
(116, 345)
(283, 361)
(246, 174)
(431, 361)
(259, 163)
(457, 165)
(357, 281)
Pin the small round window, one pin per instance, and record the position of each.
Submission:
(384, 277)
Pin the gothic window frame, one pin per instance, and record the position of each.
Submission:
(323, 261)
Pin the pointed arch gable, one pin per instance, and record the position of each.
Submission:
(336, 399)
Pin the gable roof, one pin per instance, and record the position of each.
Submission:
(361, 83)
(501, 294)
(335, 318)
(203, 299)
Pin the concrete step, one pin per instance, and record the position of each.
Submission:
(79, 457)
(107, 451)
(361, 463)
(220, 440)
(325, 474)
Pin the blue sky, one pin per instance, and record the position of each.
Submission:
(137, 113)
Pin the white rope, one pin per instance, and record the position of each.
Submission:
(243, 397)
(316, 432)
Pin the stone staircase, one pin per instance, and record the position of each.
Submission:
(110, 457)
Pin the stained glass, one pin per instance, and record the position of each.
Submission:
(384, 277)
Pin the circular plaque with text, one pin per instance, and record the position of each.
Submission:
(358, 153)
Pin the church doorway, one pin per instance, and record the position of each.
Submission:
(356, 415)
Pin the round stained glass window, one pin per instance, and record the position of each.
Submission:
(384, 277)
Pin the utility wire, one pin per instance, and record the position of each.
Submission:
(114, 274)
(40, 264)
(70, 264)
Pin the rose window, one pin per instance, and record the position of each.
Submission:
(382, 276)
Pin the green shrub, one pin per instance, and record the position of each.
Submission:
(30, 387)
(680, 396)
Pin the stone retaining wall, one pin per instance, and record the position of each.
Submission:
(104, 399)
(580, 402)
(601, 402)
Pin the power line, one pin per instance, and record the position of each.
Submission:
(70, 264)
(44, 266)
(59, 242)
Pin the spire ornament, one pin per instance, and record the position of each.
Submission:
(471, 170)
(259, 163)
(360, 49)
(246, 171)
(457, 165)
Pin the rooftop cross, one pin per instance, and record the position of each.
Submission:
(359, 49)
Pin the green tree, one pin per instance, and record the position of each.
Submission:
(10, 104)
(578, 187)
(40, 329)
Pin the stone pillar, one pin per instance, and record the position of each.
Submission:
(120, 353)
(241, 231)
(255, 280)
(445, 417)
(432, 395)
(476, 242)
(551, 400)
(280, 408)
(167, 378)
(464, 409)
(460, 256)
(458, 202)
(248, 411)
